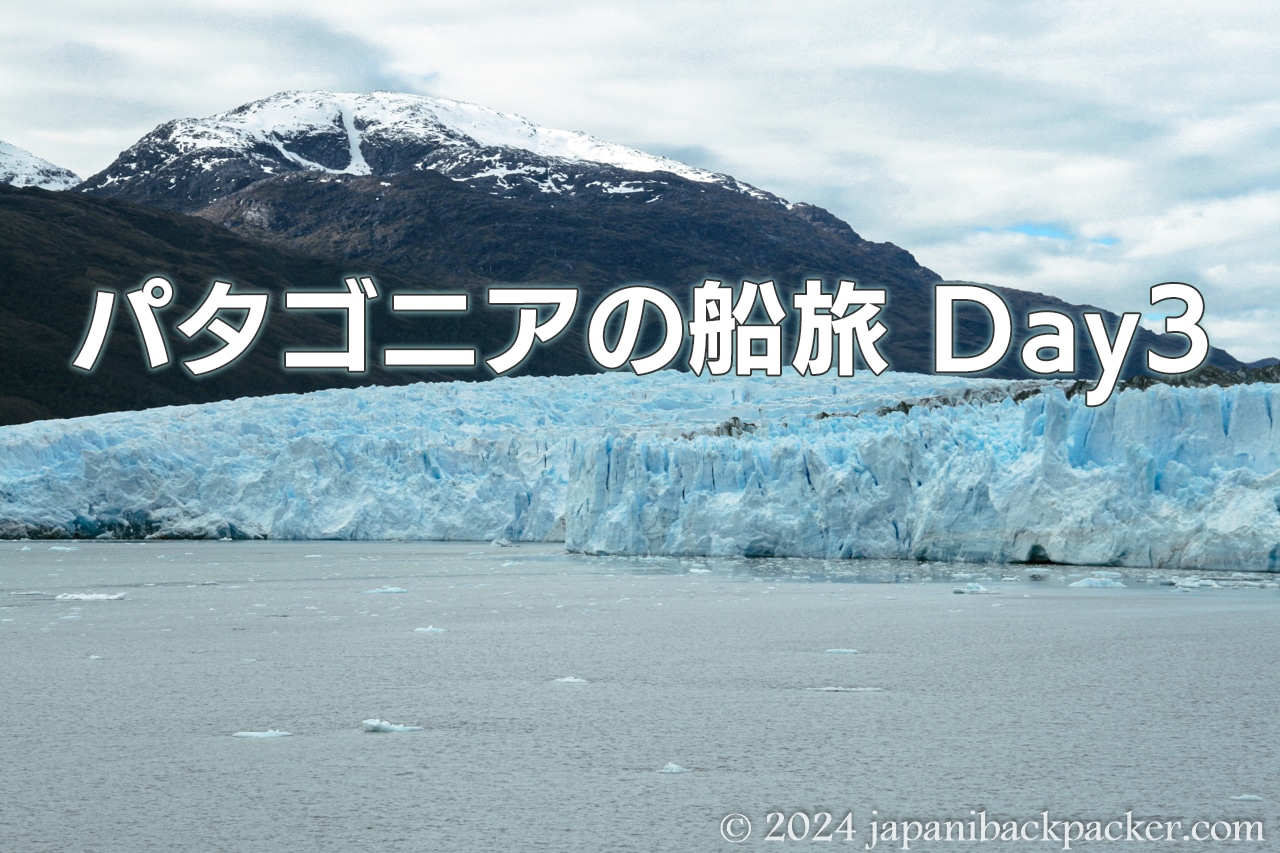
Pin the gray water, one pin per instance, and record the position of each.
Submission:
(1086, 703)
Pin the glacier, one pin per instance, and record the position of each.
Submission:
(897, 466)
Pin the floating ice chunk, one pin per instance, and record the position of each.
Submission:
(31, 592)
(312, 556)
(1102, 574)
(383, 726)
(502, 543)
(1098, 583)
(63, 548)
(385, 589)
(430, 629)
(842, 651)
(1248, 798)
(971, 589)
(1195, 582)
(89, 596)
(845, 689)
(267, 733)
(569, 679)
(25, 548)
(95, 657)
(699, 571)
(672, 767)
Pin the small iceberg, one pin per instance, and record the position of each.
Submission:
(971, 589)
(29, 592)
(89, 596)
(267, 733)
(63, 548)
(1197, 582)
(1098, 583)
(672, 767)
(845, 689)
(382, 590)
(569, 679)
(502, 543)
(1247, 798)
(842, 651)
(384, 726)
(430, 629)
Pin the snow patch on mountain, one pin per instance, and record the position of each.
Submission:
(385, 133)
(21, 168)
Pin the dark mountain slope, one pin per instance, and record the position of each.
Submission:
(56, 249)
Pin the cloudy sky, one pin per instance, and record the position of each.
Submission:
(1085, 149)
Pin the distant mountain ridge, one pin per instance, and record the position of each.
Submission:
(21, 168)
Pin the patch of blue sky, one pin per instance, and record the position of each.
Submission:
(1032, 229)
(1052, 232)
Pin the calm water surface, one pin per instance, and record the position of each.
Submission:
(1088, 703)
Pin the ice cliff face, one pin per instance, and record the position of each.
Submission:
(21, 168)
(670, 463)
(1179, 478)
(427, 461)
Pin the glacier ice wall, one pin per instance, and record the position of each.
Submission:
(1172, 477)
(674, 464)
(428, 461)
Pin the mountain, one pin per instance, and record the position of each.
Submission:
(21, 168)
(57, 249)
(187, 163)
(442, 189)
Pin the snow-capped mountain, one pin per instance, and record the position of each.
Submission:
(453, 192)
(21, 168)
(191, 162)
